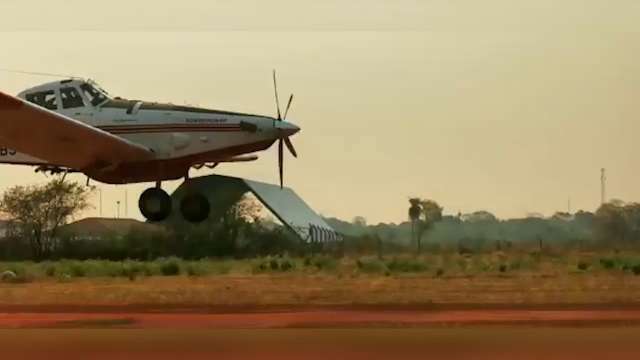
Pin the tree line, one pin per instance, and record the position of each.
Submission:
(35, 215)
(614, 225)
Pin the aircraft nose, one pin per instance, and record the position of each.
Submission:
(286, 128)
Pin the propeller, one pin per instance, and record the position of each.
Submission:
(275, 89)
(283, 141)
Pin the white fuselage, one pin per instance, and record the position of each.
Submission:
(179, 136)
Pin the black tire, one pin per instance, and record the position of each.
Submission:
(155, 204)
(195, 208)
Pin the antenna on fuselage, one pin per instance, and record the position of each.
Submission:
(35, 73)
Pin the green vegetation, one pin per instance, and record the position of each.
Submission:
(37, 212)
(240, 242)
(170, 267)
(583, 265)
(274, 264)
(445, 265)
(371, 266)
(321, 262)
(407, 265)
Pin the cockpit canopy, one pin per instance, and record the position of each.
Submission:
(66, 94)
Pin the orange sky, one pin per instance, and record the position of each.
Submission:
(507, 106)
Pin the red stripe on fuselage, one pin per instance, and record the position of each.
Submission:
(167, 131)
(164, 126)
(170, 125)
(160, 128)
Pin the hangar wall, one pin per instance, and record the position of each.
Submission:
(224, 191)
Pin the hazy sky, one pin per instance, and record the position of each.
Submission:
(502, 105)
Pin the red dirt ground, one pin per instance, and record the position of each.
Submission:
(320, 318)
(358, 333)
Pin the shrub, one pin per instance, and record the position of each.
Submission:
(583, 265)
(287, 265)
(196, 269)
(131, 269)
(64, 278)
(371, 266)
(130, 273)
(220, 267)
(77, 269)
(16, 275)
(636, 269)
(110, 268)
(50, 270)
(321, 262)
(23, 278)
(265, 264)
(170, 268)
(439, 272)
(8, 276)
(274, 265)
(262, 266)
(502, 268)
(607, 263)
(407, 265)
(283, 264)
(515, 265)
(193, 270)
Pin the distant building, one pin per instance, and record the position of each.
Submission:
(107, 228)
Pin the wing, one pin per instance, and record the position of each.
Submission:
(60, 140)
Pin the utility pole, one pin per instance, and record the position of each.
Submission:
(414, 216)
(126, 204)
(603, 186)
(100, 200)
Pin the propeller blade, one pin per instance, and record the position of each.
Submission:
(289, 144)
(275, 89)
(281, 163)
(286, 111)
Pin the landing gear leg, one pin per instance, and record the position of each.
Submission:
(155, 203)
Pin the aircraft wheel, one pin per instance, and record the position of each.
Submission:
(155, 204)
(195, 208)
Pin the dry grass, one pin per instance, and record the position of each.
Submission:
(498, 278)
(296, 289)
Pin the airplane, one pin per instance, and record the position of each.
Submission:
(73, 125)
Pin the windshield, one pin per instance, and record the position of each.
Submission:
(96, 96)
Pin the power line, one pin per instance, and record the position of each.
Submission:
(35, 73)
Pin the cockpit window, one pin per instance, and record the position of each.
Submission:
(46, 99)
(95, 96)
(70, 98)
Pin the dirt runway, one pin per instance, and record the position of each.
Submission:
(321, 318)
(321, 333)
